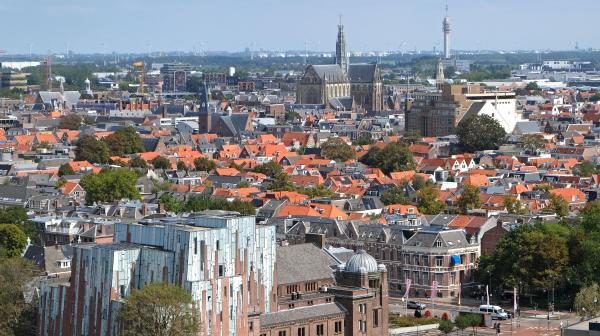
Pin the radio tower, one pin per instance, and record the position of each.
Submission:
(446, 29)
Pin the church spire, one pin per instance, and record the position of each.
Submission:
(341, 56)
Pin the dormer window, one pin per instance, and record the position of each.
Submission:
(438, 243)
(65, 263)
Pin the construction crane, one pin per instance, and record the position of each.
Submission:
(139, 66)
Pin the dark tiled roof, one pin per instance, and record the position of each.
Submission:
(330, 72)
(361, 72)
(303, 262)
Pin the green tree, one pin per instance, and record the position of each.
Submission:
(533, 256)
(124, 141)
(137, 162)
(428, 201)
(18, 216)
(17, 317)
(411, 136)
(271, 169)
(445, 327)
(480, 132)
(281, 182)
(337, 149)
(586, 169)
(586, 301)
(462, 322)
(318, 191)
(590, 217)
(396, 195)
(92, 150)
(558, 205)
(12, 240)
(181, 166)
(110, 185)
(469, 198)
(533, 142)
(514, 206)
(65, 169)
(70, 122)
(171, 203)
(204, 164)
(418, 182)
(161, 162)
(532, 86)
(160, 186)
(159, 309)
(393, 157)
(363, 141)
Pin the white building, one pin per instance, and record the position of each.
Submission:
(501, 106)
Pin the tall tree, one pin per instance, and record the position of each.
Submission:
(65, 169)
(12, 240)
(587, 301)
(204, 164)
(70, 122)
(161, 162)
(480, 132)
(92, 150)
(558, 205)
(337, 149)
(159, 309)
(533, 142)
(124, 141)
(15, 313)
(396, 195)
(110, 185)
(469, 198)
(428, 201)
(586, 169)
(270, 169)
(393, 157)
(514, 206)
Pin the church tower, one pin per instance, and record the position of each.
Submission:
(439, 76)
(341, 56)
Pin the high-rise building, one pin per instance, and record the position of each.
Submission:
(223, 259)
(175, 76)
(446, 29)
(341, 56)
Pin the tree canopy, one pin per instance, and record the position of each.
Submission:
(586, 301)
(161, 162)
(201, 203)
(17, 317)
(469, 198)
(92, 150)
(65, 169)
(271, 169)
(110, 185)
(204, 164)
(393, 157)
(12, 240)
(159, 309)
(428, 200)
(70, 122)
(480, 132)
(137, 162)
(124, 141)
(396, 195)
(337, 149)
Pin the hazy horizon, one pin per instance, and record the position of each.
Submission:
(141, 26)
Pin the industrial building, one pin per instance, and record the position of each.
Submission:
(175, 76)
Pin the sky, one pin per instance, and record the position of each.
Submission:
(88, 26)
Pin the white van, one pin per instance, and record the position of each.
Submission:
(496, 312)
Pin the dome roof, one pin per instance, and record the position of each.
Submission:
(361, 262)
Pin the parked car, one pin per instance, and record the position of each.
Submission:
(415, 305)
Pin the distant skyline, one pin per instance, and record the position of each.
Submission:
(233, 25)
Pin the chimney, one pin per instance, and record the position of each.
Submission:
(317, 239)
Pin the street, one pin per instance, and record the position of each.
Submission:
(530, 323)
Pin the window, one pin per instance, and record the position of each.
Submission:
(282, 333)
(407, 259)
(337, 326)
(375, 317)
(362, 308)
(439, 261)
(362, 325)
(425, 260)
(221, 270)
(438, 243)
(250, 326)
(452, 278)
(425, 278)
(301, 331)
(320, 330)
